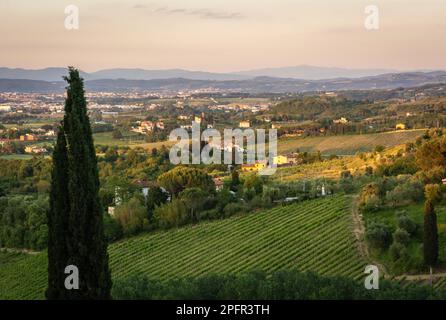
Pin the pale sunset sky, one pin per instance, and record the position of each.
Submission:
(223, 35)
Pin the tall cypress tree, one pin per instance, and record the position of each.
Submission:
(430, 236)
(76, 235)
(57, 220)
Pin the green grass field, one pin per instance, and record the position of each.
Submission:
(313, 235)
(347, 144)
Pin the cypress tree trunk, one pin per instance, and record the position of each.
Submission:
(81, 242)
(430, 235)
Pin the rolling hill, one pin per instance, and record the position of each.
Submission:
(296, 72)
(250, 85)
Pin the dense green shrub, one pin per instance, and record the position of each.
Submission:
(233, 208)
(378, 236)
(406, 223)
(401, 236)
(132, 216)
(172, 214)
(397, 251)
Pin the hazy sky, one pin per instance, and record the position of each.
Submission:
(223, 35)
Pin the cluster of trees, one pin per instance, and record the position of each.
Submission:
(257, 285)
(391, 192)
(134, 164)
(381, 239)
(410, 177)
(185, 195)
(23, 222)
(24, 176)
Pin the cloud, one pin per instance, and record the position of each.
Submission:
(200, 13)
(209, 14)
(139, 6)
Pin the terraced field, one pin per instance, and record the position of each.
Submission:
(313, 235)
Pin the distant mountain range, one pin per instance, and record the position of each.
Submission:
(298, 72)
(56, 74)
(314, 73)
(250, 85)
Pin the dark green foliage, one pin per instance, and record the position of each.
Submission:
(285, 285)
(235, 181)
(75, 219)
(223, 198)
(233, 208)
(112, 229)
(430, 235)
(397, 251)
(401, 236)
(194, 199)
(406, 223)
(132, 216)
(378, 236)
(58, 221)
(23, 222)
(172, 214)
(24, 176)
(180, 178)
(155, 197)
(403, 165)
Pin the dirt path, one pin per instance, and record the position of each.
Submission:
(420, 277)
(359, 232)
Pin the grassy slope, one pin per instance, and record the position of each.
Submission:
(348, 144)
(313, 235)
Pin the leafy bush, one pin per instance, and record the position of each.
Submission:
(112, 229)
(369, 199)
(403, 165)
(397, 251)
(405, 192)
(401, 236)
(406, 223)
(378, 236)
(173, 214)
(233, 208)
(180, 178)
(132, 216)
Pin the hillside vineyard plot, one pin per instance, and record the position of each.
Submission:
(313, 235)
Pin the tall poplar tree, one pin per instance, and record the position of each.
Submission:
(76, 235)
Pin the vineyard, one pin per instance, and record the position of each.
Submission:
(348, 144)
(313, 235)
